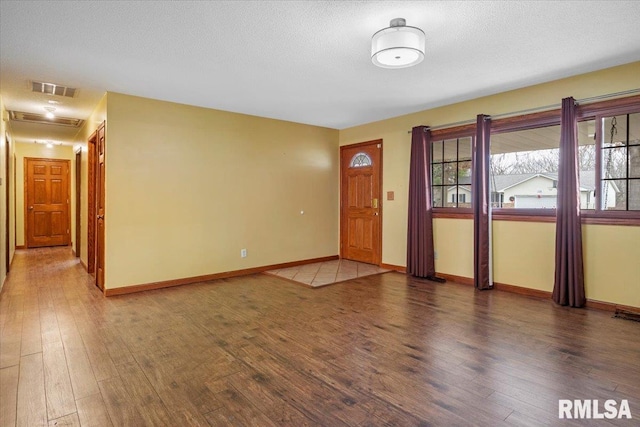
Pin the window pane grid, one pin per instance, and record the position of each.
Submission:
(451, 177)
(360, 160)
(609, 168)
(620, 157)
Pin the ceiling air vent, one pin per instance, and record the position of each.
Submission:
(53, 89)
(41, 119)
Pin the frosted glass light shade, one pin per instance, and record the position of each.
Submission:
(397, 46)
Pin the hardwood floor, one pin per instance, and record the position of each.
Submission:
(259, 350)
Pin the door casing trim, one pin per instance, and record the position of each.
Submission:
(380, 178)
(25, 199)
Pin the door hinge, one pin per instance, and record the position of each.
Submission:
(67, 231)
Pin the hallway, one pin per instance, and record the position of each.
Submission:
(47, 315)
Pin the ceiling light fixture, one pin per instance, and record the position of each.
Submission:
(49, 114)
(48, 143)
(397, 46)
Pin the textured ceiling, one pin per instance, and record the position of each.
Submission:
(304, 61)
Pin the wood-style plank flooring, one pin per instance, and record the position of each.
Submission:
(259, 350)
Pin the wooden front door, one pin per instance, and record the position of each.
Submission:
(360, 204)
(47, 202)
(100, 207)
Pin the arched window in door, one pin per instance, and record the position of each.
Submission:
(360, 160)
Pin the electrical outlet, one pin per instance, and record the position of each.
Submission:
(435, 254)
(243, 253)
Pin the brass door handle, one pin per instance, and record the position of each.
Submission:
(375, 213)
(30, 208)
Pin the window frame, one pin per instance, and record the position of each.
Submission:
(438, 135)
(516, 124)
(584, 112)
(599, 112)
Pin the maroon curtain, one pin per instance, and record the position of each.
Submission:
(480, 203)
(568, 287)
(420, 255)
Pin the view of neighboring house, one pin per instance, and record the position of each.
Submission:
(531, 191)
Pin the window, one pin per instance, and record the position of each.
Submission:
(462, 198)
(451, 173)
(525, 159)
(524, 168)
(587, 164)
(360, 160)
(620, 163)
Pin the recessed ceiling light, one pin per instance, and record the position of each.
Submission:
(49, 113)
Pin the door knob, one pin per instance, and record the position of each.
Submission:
(30, 208)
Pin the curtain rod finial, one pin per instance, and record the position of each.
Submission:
(424, 128)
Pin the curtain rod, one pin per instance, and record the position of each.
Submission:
(539, 109)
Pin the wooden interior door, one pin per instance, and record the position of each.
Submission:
(78, 201)
(47, 202)
(361, 207)
(91, 204)
(100, 206)
(7, 185)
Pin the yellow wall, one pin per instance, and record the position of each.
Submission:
(6, 163)
(611, 267)
(23, 150)
(516, 265)
(187, 188)
(98, 116)
(453, 246)
(3, 193)
(524, 254)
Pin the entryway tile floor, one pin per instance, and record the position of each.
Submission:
(327, 273)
